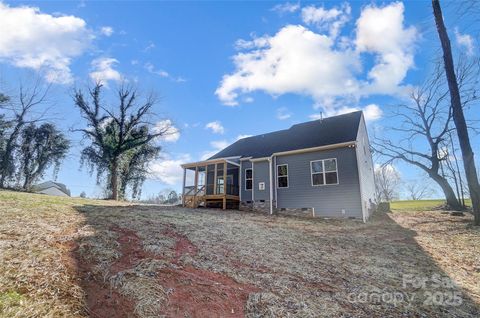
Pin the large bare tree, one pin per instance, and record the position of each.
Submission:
(116, 132)
(458, 115)
(424, 123)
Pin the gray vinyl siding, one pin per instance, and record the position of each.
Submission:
(246, 195)
(365, 165)
(260, 174)
(327, 200)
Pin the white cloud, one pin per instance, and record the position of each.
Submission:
(464, 40)
(327, 68)
(331, 20)
(283, 113)
(372, 112)
(106, 30)
(217, 146)
(216, 127)
(243, 136)
(286, 7)
(103, 70)
(169, 170)
(296, 60)
(149, 47)
(162, 73)
(171, 133)
(39, 41)
(151, 69)
(380, 30)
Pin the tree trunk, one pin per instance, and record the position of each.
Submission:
(114, 179)
(452, 200)
(458, 116)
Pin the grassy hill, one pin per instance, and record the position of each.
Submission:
(71, 257)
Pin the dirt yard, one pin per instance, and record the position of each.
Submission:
(77, 258)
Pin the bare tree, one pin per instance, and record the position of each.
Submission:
(458, 115)
(425, 124)
(387, 183)
(418, 190)
(22, 113)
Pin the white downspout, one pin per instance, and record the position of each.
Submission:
(271, 189)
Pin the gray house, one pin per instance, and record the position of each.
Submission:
(51, 188)
(320, 168)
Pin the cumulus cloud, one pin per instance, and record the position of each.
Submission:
(216, 127)
(464, 40)
(216, 147)
(296, 60)
(286, 7)
(106, 30)
(326, 67)
(170, 132)
(283, 113)
(372, 112)
(39, 41)
(394, 51)
(331, 20)
(169, 170)
(103, 70)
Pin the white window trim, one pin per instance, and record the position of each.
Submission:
(278, 176)
(248, 179)
(323, 172)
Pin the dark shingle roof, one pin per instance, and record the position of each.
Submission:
(328, 131)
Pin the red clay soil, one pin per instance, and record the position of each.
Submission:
(130, 248)
(192, 292)
(200, 293)
(101, 300)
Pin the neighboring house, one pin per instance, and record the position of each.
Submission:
(318, 168)
(52, 188)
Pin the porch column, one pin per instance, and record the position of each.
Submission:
(183, 186)
(215, 180)
(225, 186)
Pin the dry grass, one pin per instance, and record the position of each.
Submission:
(290, 267)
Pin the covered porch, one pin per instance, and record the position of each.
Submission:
(211, 183)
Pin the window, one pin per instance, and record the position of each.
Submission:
(324, 172)
(282, 176)
(248, 179)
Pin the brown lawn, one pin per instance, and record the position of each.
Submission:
(76, 258)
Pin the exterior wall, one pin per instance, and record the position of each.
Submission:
(245, 195)
(341, 200)
(53, 191)
(260, 174)
(366, 170)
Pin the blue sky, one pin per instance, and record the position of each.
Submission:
(224, 69)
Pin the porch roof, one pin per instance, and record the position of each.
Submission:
(230, 160)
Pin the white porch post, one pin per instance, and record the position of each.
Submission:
(183, 186)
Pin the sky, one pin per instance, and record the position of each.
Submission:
(224, 70)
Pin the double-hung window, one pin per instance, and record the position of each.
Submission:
(324, 172)
(248, 179)
(282, 176)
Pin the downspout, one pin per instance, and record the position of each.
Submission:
(270, 187)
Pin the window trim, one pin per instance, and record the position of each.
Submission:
(277, 176)
(324, 173)
(248, 179)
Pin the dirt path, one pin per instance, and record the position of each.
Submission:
(192, 292)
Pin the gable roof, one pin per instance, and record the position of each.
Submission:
(49, 184)
(328, 131)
